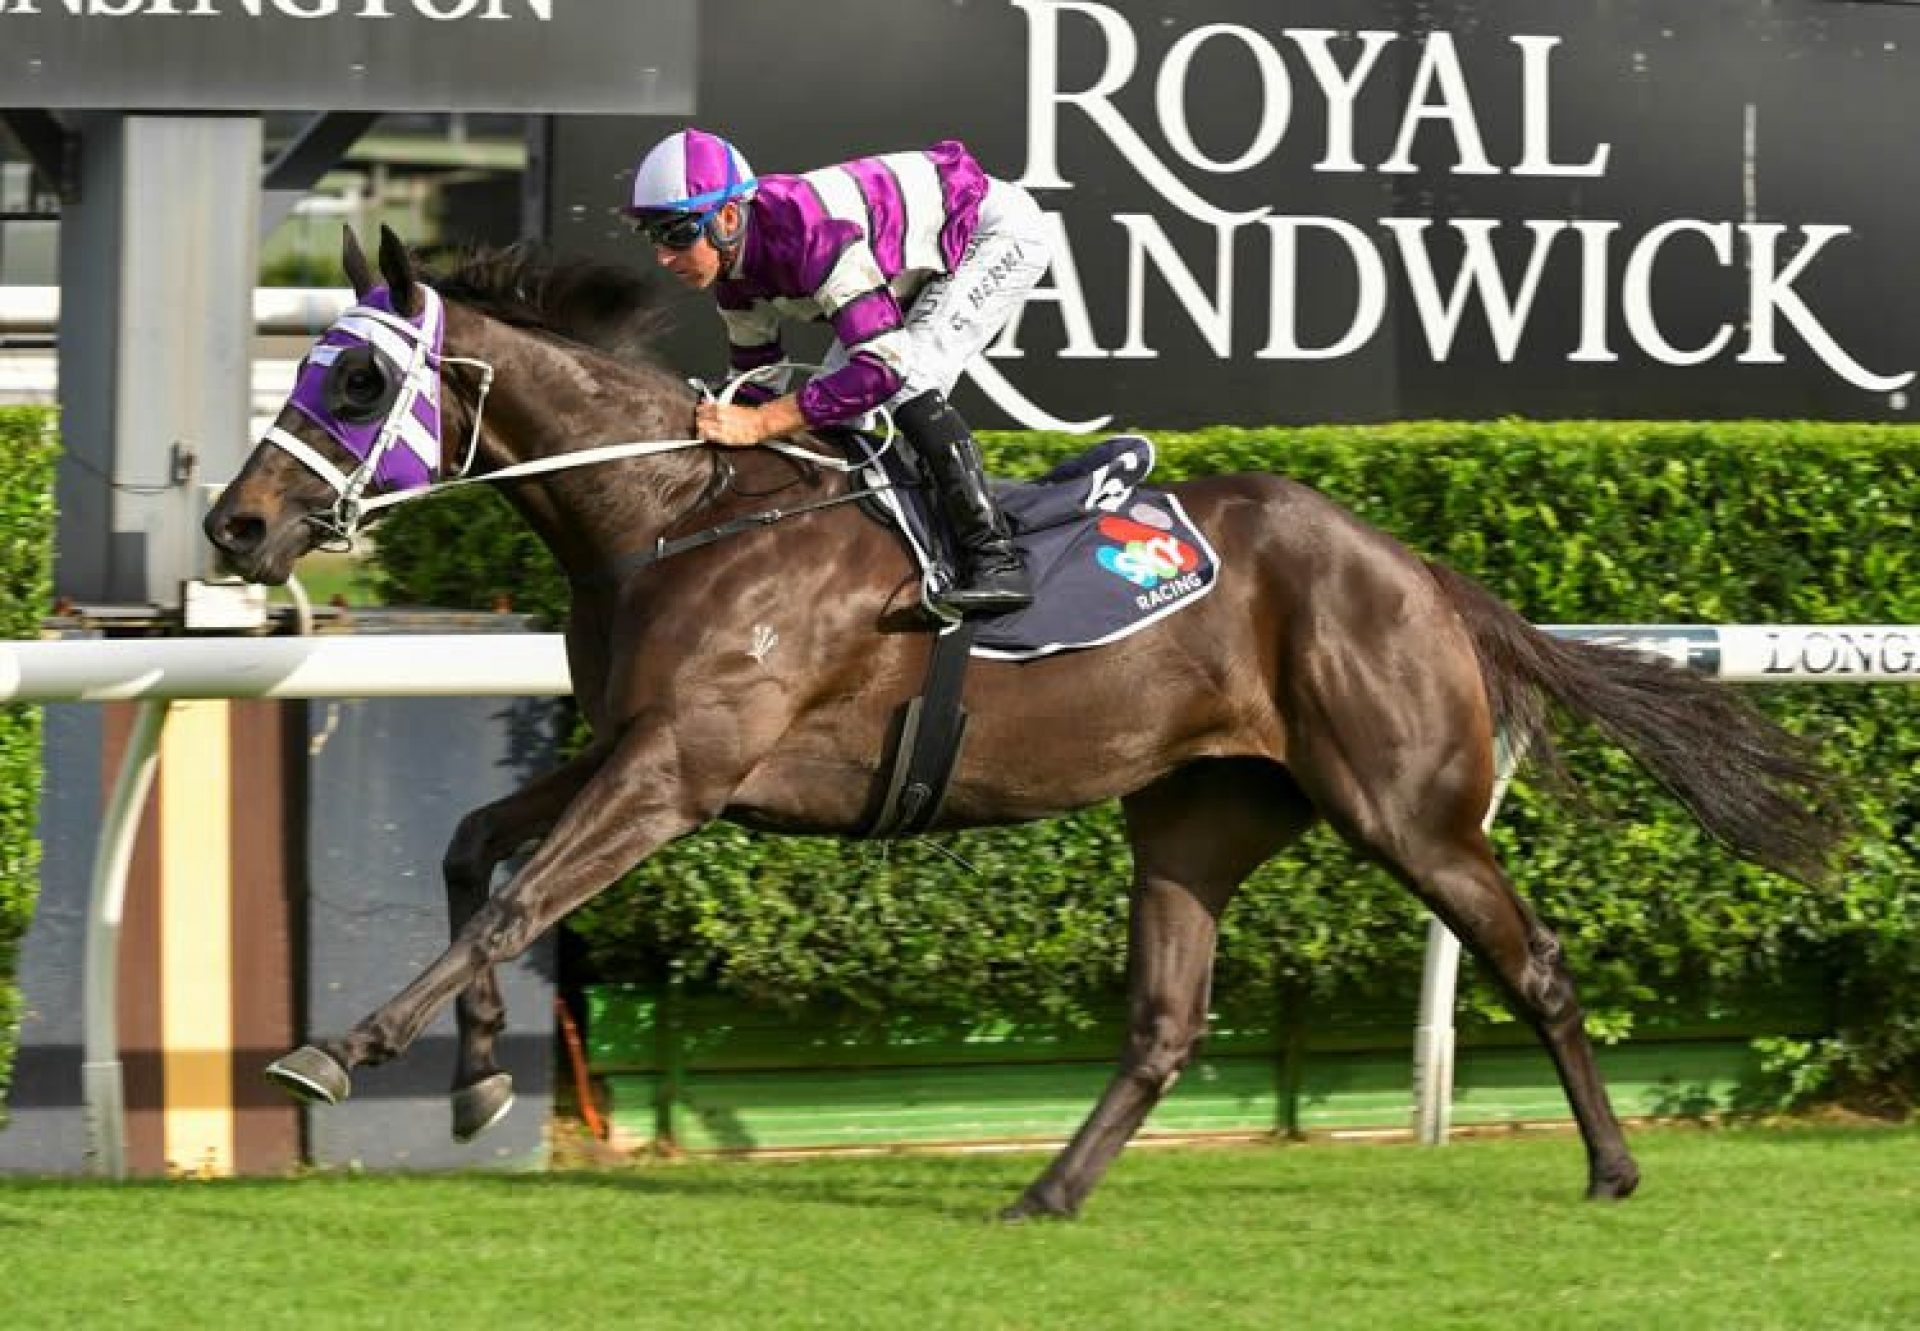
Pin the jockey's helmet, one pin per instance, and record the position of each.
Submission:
(681, 185)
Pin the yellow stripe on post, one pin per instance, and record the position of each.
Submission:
(196, 939)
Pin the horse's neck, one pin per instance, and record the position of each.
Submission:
(548, 400)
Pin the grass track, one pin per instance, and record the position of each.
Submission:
(1743, 1228)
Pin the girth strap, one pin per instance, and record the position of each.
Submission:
(932, 729)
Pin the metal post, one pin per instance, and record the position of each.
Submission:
(157, 272)
(1433, 1036)
(107, 896)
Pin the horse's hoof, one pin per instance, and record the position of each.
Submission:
(1615, 1183)
(481, 1105)
(310, 1074)
(1032, 1207)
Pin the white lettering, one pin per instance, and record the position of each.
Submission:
(1044, 96)
(1440, 69)
(1770, 290)
(1370, 302)
(1018, 405)
(1479, 272)
(1536, 155)
(1166, 592)
(1341, 90)
(1106, 491)
(1636, 291)
(1594, 238)
(1214, 319)
(1276, 97)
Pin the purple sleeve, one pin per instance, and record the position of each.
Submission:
(859, 386)
(866, 317)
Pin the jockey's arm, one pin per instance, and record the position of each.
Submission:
(736, 426)
(865, 318)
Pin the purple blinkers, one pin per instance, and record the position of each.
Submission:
(372, 382)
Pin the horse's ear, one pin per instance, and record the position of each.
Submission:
(396, 265)
(353, 261)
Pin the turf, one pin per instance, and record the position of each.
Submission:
(1736, 1228)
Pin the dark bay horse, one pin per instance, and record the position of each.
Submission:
(1333, 675)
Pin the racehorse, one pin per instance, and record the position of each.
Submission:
(1333, 674)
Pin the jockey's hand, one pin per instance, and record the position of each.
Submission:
(730, 425)
(735, 426)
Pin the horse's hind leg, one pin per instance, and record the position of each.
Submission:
(1465, 887)
(482, 1093)
(1423, 822)
(1196, 835)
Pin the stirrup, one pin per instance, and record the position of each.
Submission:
(999, 588)
(971, 602)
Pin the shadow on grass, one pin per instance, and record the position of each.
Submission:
(969, 1189)
(771, 1182)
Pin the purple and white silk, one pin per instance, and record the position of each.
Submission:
(850, 244)
(403, 446)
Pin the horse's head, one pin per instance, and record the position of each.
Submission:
(363, 421)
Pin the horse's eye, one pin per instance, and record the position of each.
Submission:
(359, 388)
(364, 386)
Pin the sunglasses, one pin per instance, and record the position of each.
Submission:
(674, 231)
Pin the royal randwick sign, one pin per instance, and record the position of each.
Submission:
(249, 55)
(1514, 197)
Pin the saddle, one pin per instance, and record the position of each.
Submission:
(1108, 557)
(1108, 554)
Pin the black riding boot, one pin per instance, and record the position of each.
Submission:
(992, 578)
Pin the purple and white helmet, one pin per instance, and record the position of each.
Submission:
(690, 171)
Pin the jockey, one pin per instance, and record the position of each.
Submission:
(916, 259)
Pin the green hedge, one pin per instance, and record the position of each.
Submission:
(1570, 522)
(27, 451)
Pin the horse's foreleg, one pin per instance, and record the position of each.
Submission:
(640, 798)
(482, 1093)
(1195, 836)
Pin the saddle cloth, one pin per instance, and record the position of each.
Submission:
(1108, 555)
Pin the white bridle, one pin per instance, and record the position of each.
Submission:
(412, 346)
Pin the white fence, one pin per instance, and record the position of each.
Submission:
(30, 374)
(155, 672)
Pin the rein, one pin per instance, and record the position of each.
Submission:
(613, 573)
(414, 350)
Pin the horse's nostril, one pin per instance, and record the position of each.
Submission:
(240, 534)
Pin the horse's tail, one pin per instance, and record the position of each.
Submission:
(1755, 787)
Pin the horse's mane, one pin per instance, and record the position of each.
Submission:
(607, 306)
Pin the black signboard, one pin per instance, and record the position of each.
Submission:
(1294, 210)
(625, 56)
